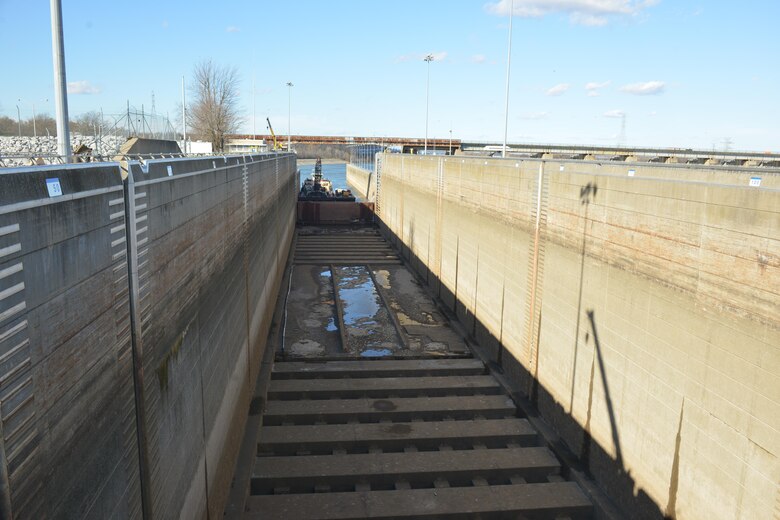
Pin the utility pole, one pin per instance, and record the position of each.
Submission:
(183, 115)
(19, 120)
(508, 68)
(97, 139)
(289, 112)
(428, 59)
(60, 81)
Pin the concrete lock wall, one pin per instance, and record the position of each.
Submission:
(213, 247)
(208, 244)
(363, 181)
(638, 311)
(66, 389)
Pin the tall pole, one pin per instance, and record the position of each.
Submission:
(19, 120)
(508, 68)
(428, 59)
(183, 115)
(450, 148)
(289, 112)
(60, 81)
(253, 108)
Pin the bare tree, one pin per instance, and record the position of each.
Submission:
(87, 123)
(213, 111)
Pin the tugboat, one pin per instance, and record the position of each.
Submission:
(316, 188)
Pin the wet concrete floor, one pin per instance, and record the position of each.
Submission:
(352, 309)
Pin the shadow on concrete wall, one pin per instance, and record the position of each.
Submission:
(626, 498)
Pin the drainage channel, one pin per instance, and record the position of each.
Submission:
(397, 421)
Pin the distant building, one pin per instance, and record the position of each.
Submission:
(245, 145)
(200, 147)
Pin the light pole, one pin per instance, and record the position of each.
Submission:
(428, 59)
(289, 112)
(60, 82)
(508, 67)
(19, 120)
(183, 116)
(450, 148)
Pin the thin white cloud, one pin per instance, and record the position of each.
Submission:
(648, 88)
(82, 87)
(614, 113)
(594, 87)
(557, 90)
(594, 13)
(232, 29)
(478, 58)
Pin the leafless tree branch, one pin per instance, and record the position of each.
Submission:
(214, 110)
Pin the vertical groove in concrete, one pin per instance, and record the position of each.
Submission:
(136, 336)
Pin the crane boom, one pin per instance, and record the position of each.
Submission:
(277, 146)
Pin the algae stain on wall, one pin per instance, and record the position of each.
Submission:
(171, 355)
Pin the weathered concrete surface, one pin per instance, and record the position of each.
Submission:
(215, 241)
(212, 238)
(640, 313)
(348, 297)
(363, 181)
(311, 328)
(143, 146)
(66, 389)
(426, 330)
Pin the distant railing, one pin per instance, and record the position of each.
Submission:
(26, 160)
(725, 157)
(362, 155)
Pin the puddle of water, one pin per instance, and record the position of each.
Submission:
(377, 352)
(361, 301)
(367, 325)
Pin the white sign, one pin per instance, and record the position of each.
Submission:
(170, 171)
(53, 185)
(631, 173)
(755, 181)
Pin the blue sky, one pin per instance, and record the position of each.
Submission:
(685, 73)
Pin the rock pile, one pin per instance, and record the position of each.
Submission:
(17, 151)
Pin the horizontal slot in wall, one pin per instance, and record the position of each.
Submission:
(209, 241)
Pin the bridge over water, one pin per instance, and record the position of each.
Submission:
(546, 337)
